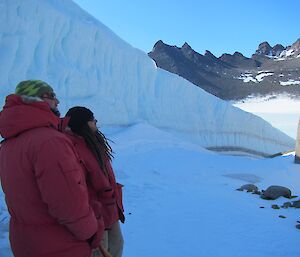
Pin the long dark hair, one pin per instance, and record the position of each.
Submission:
(96, 141)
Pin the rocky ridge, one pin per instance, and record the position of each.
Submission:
(270, 70)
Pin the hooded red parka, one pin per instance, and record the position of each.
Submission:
(105, 194)
(44, 184)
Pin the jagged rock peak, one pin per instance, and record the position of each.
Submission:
(224, 56)
(209, 54)
(238, 54)
(296, 45)
(264, 48)
(187, 50)
(158, 44)
(161, 46)
(186, 46)
(291, 51)
(277, 50)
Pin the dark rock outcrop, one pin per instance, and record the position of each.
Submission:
(264, 49)
(277, 50)
(234, 76)
(274, 192)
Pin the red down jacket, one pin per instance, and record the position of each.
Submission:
(104, 192)
(44, 184)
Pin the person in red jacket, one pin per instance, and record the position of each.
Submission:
(43, 180)
(105, 194)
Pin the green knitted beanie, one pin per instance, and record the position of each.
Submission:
(33, 88)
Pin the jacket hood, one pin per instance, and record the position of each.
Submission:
(19, 116)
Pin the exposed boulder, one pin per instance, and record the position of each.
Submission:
(275, 207)
(296, 204)
(248, 188)
(274, 192)
(287, 205)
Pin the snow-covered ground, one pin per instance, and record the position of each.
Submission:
(180, 199)
(247, 77)
(290, 82)
(281, 111)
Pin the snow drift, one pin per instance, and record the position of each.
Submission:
(87, 64)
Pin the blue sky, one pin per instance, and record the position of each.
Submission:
(215, 25)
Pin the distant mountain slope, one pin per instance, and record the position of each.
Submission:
(89, 65)
(271, 70)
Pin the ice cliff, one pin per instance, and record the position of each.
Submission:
(87, 64)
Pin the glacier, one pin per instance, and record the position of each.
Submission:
(87, 64)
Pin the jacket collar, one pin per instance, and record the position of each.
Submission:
(22, 114)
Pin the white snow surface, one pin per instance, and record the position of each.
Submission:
(247, 77)
(280, 110)
(290, 82)
(180, 200)
(287, 53)
(261, 75)
(87, 64)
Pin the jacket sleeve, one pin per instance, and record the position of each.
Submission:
(63, 189)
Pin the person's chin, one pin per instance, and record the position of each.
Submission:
(56, 112)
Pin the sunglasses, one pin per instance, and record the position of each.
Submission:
(50, 96)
